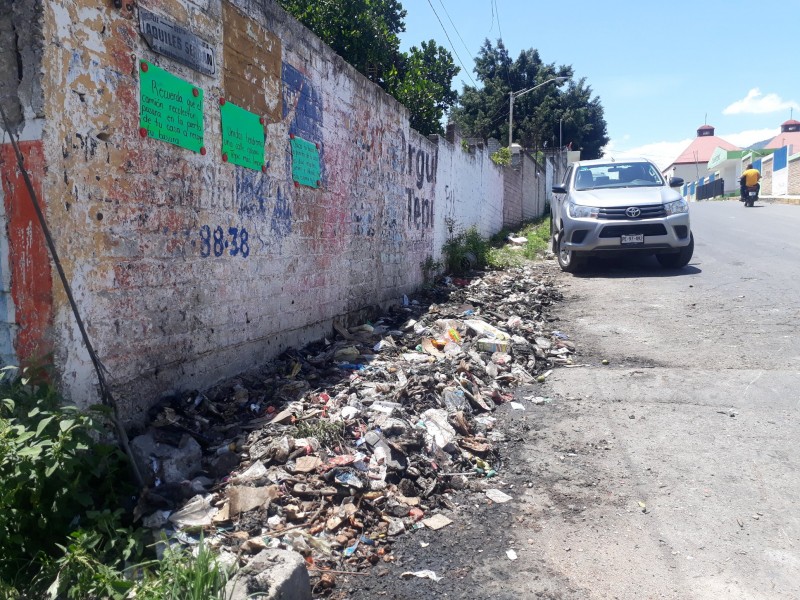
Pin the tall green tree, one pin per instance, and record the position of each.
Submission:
(422, 81)
(366, 34)
(545, 117)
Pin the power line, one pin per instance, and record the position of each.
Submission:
(452, 45)
(497, 10)
(454, 26)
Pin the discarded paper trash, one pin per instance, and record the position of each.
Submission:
(497, 496)
(422, 574)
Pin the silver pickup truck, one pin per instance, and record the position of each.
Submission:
(606, 206)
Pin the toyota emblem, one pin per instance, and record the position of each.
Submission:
(633, 212)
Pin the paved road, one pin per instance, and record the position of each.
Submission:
(674, 471)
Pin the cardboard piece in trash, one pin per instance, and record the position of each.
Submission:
(436, 522)
(243, 498)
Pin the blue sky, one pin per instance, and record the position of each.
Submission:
(660, 69)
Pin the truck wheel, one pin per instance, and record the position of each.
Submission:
(679, 259)
(568, 260)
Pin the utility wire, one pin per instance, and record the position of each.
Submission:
(454, 27)
(497, 10)
(451, 44)
(105, 392)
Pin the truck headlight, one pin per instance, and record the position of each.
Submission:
(578, 211)
(677, 207)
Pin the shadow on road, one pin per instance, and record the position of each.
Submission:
(632, 266)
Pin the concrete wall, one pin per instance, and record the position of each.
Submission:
(766, 175)
(189, 269)
(534, 190)
(794, 175)
(468, 191)
(512, 189)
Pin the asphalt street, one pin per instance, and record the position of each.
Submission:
(672, 470)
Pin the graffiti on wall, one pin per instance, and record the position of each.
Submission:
(421, 165)
(234, 243)
(302, 105)
(259, 196)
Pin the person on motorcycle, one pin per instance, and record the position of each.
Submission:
(749, 178)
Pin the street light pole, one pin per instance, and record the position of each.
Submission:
(513, 96)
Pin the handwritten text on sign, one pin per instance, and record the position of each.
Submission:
(242, 136)
(170, 109)
(305, 162)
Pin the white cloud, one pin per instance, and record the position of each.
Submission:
(661, 153)
(743, 139)
(757, 104)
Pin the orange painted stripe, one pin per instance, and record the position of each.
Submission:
(29, 261)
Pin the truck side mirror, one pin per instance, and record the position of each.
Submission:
(675, 181)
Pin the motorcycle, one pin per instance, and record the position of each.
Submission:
(749, 195)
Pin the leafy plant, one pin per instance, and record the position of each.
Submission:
(183, 575)
(430, 268)
(60, 481)
(56, 474)
(464, 251)
(502, 157)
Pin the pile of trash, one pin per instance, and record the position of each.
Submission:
(335, 449)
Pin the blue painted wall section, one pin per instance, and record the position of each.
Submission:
(306, 102)
(780, 159)
(7, 354)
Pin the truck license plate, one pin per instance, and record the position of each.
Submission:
(630, 240)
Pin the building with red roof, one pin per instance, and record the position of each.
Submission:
(692, 164)
(789, 136)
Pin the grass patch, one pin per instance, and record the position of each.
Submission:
(467, 250)
(504, 254)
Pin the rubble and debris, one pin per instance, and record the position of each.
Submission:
(335, 449)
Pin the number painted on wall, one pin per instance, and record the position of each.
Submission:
(214, 241)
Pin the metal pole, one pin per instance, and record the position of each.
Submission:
(512, 95)
(560, 145)
(510, 116)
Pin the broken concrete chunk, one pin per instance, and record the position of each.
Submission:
(307, 464)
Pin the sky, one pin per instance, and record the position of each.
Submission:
(660, 70)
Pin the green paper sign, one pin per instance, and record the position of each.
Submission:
(170, 109)
(305, 163)
(242, 136)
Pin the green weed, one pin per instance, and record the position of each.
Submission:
(464, 251)
(502, 254)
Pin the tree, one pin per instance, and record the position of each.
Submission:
(544, 117)
(365, 34)
(423, 82)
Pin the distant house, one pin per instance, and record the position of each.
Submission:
(789, 136)
(692, 164)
